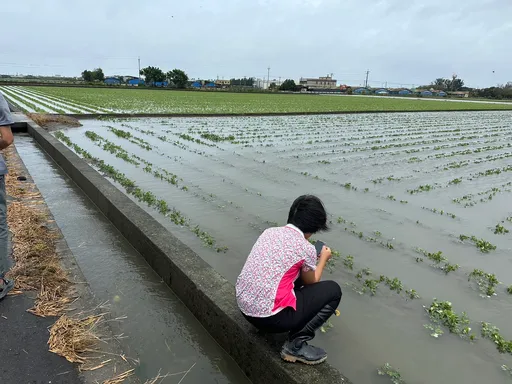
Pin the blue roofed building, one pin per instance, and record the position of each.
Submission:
(404, 92)
(135, 82)
(361, 91)
(382, 91)
(112, 81)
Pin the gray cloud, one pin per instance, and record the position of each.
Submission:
(401, 42)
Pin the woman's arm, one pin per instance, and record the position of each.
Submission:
(312, 277)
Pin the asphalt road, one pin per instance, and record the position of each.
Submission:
(24, 355)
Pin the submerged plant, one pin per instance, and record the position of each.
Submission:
(486, 281)
(349, 262)
(394, 376)
(500, 229)
(492, 333)
(412, 294)
(483, 245)
(438, 259)
(441, 313)
(455, 181)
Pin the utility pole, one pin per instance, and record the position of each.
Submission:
(366, 81)
(268, 78)
(139, 67)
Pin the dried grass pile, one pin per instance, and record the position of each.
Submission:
(48, 120)
(37, 264)
(74, 338)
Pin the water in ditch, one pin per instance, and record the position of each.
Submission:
(363, 167)
(161, 333)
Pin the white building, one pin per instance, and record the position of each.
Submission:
(326, 82)
(264, 83)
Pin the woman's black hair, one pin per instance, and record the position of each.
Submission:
(308, 214)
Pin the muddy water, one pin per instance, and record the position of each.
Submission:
(236, 189)
(161, 332)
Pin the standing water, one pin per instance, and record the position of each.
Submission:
(420, 202)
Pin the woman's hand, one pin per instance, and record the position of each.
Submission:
(326, 253)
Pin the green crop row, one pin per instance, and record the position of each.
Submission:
(144, 196)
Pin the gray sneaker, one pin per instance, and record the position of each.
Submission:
(306, 354)
(6, 287)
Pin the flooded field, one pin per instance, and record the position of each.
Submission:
(420, 209)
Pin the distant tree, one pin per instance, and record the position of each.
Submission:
(456, 84)
(152, 74)
(288, 85)
(87, 76)
(441, 84)
(178, 77)
(453, 84)
(98, 75)
(272, 86)
(498, 92)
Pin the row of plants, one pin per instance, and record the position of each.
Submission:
(21, 103)
(65, 103)
(50, 104)
(483, 246)
(440, 212)
(121, 153)
(440, 262)
(470, 199)
(146, 197)
(38, 101)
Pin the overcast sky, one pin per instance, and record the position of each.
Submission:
(400, 41)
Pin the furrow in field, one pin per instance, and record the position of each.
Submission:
(47, 103)
(26, 106)
(84, 107)
(38, 106)
(57, 104)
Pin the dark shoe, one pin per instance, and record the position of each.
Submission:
(297, 348)
(5, 287)
(305, 353)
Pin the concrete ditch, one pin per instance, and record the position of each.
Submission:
(205, 292)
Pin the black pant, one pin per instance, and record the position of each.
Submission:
(310, 300)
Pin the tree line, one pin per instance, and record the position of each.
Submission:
(501, 91)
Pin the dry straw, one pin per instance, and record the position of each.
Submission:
(46, 120)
